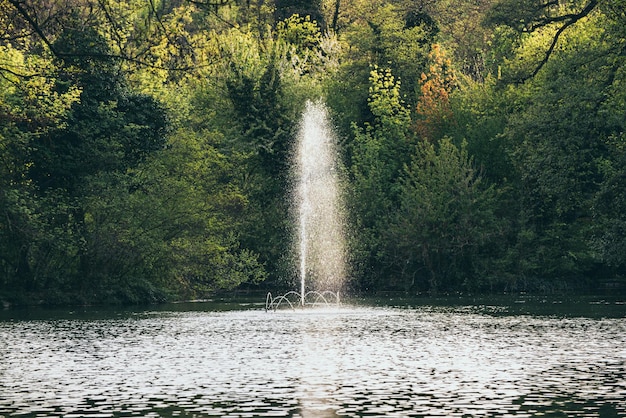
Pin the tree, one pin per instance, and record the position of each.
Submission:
(81, 122)
(144, 33)
(30, 108)
(534, 15)
(433, 109)
(463, 35)
(169, 226)
(558, 136)
(441, 234)
(377, 36)
(377, 156)
(305, 8)
(109, 129)
(480, 113)
(608, 209)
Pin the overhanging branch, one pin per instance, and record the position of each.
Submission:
(33, 24)
(38, 29)
(568, 20)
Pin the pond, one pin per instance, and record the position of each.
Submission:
(383, 358)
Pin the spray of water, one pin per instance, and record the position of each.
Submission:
(318, 204)
(319, 214)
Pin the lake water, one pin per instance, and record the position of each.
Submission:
(391, 358)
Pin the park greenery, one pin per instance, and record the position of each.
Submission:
(144, 144)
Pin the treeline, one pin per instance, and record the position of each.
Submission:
(144, 144)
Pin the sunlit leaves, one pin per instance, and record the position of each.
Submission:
(433, 108)
(300, 31)
(550, 19)
(385, 101)
(310, 52)
(378, 152)
(138, 33)
(381, 38)
(28, 91)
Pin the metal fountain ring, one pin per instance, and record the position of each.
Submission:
(295, 299)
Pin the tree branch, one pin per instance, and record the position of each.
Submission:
(216, 3)
(37, 29)
(569, 19)
(112, 22)
(33, 24)
(16, 74)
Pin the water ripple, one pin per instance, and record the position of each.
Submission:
(344, 362)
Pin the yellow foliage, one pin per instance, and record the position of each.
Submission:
(27, 90)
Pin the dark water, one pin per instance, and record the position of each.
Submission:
(355, 360)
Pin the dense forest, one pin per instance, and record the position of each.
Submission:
(144, 144)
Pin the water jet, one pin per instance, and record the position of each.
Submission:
(318, 212)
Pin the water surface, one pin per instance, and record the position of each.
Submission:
(463, 360)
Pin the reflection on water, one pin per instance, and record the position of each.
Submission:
(346, 361)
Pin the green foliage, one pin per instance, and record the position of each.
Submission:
(144, 147)
(308, 8)
(108, 129)
(519, 14)
(480, 112)
(36, 229)
(384, 40)
(309, 52)
(265, 129)
(608, 208)
(378, 37)
(558, 136)
(174, 220)
(300, 32)
(103, 202)
(441, 234)
(258, 106)
(377, 155)
(469, 42)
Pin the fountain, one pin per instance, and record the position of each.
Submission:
(318, 209)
